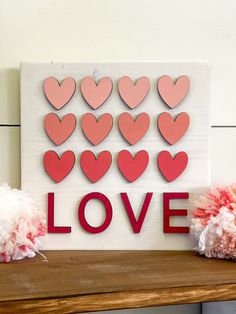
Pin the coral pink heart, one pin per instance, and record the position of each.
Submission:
(59, 94)
(58, 167)
(133, 94)
(172, 130)
(133, 130)
(96, 130)
(173, 93)
(59, 130)
(171, 168)
(95, 168)
(132, 167)
(96, 94)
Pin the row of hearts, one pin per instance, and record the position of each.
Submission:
(133, 130)
(96, 167)
(97, 93)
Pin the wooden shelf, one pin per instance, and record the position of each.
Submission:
(75, 281)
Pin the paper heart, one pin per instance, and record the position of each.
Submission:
(173, 129)
(133, 130)
(171, 168)
(95, 168)
(58, 167)
(96, 94)
(133, 93)
(132, 167)
(59, 94)
(59, 130)
(173, 93)
(96, 130)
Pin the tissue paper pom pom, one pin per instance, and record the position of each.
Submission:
(214, 223)
(21, 225)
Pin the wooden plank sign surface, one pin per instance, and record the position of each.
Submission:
(110, 150)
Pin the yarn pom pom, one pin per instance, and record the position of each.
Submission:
(21, 225)
(214, 223)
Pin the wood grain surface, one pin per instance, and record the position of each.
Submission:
(76, 281)
(69, 192)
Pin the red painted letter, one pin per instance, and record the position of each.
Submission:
(173, 212)
(136, 223)
(51, 227)
(81, 210)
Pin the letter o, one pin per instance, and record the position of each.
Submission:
(81, 212)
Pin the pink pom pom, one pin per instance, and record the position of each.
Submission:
(214, 223)
(21, 225)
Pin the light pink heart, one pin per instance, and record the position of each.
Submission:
(59, 130)
(59, 94)
(133, 129)
(96, 130)
(173, 129)
(133, 93)
(96, 94)
(173, 92)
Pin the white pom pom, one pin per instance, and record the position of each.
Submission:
(21, 225)
(218, 238)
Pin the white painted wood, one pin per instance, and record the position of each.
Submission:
(10, 156)
(9, 96)
(69, 192)
(126, 30)
(223, 150)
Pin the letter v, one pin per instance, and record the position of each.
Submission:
(136, 223)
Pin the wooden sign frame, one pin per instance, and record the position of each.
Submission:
(67, 204)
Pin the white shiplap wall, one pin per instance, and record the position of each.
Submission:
(82, 30)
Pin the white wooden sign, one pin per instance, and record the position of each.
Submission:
(102, 142)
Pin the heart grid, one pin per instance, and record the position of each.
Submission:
(97, 129)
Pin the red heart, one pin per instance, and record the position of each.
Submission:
(133, 130)
(96, 130)
(132, 167)
(59, 94)
(172, 130)
(59, 130)
(96, 94)
(173, 93)
(95, 168)
(56, 167)
(171, 168)
(133, 94)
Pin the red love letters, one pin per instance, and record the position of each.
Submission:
(135, 222)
